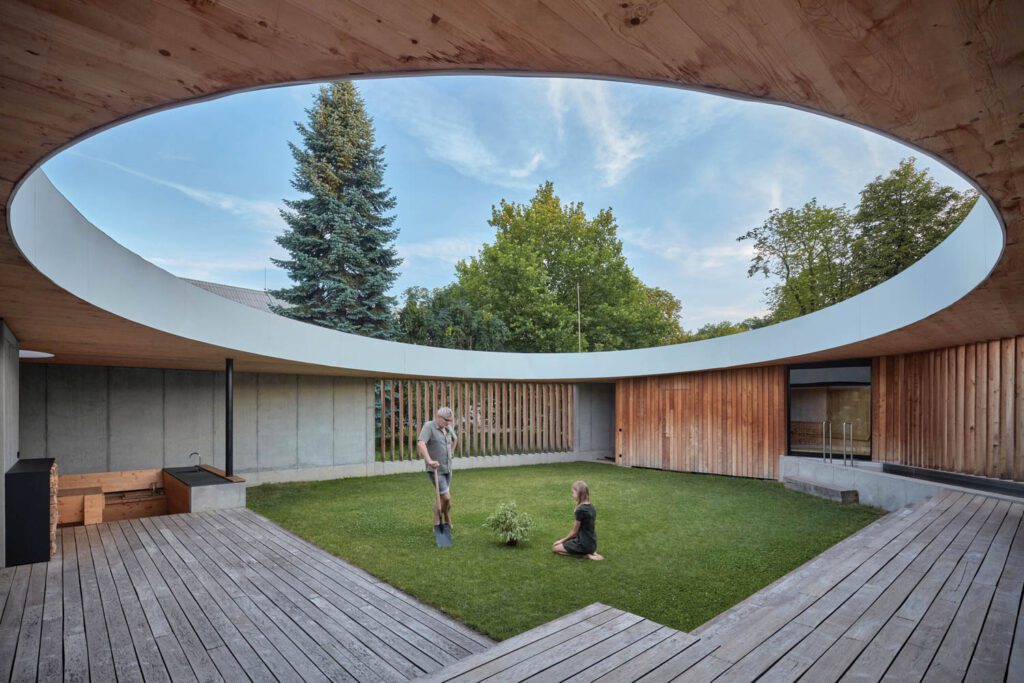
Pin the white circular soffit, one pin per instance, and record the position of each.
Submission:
(26, 353)
(53, 236)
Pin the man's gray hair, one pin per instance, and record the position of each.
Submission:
(445, 412)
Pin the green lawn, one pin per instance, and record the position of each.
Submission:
(680, 548)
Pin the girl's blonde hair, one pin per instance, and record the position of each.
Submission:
(582, 492)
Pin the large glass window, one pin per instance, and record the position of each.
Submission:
(830, 409)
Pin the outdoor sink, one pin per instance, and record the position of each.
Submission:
(194, 475)
(197, 489)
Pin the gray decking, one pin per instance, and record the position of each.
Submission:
(224, 595)
(931, 592)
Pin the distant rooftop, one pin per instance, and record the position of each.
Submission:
(253, 298)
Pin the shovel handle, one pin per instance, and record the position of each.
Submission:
(437, 488)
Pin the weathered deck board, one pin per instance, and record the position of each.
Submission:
(932, 592)
(218, 596)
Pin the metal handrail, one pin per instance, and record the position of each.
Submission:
(823, 440)
(846, 451)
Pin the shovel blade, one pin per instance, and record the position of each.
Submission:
(443, 535)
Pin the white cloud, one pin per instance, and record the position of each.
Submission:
(438, 253)
(617, 143)
(698, 316)
(213, 270)
(728, 258)
(263, 213)
(445, 127)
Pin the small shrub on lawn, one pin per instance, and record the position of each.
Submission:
(509, 523)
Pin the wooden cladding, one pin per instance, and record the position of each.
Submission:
(491, 418)
(959, 409)
(721, 422)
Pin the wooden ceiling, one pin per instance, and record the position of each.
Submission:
(943, 75)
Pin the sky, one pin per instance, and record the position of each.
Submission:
(196, 190)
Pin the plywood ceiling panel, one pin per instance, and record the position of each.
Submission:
(945, 76)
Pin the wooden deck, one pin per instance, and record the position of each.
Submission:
(213, 596)
(931, 592)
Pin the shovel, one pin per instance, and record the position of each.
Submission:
(442, 532)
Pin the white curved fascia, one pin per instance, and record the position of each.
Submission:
(81, 259)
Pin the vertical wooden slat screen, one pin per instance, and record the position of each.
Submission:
(491, 418)
(962, 409)
(720, 422)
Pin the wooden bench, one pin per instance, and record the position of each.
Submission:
(110, 496)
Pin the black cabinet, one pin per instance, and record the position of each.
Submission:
(28, 511)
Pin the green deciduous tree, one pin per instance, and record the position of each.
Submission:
(528, 278)
(901, 218)
(726, 327)
(817, 256)
(443, 317)
(340, 237)
(806, 254)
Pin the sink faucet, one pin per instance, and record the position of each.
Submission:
(197, 455)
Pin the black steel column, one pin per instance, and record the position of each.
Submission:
(229, 418)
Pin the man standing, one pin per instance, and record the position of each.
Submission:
(435, 445)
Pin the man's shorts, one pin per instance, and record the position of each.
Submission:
(444, 484)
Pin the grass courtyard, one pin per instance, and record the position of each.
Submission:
(679, 548)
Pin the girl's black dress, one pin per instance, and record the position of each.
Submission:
(585, 541)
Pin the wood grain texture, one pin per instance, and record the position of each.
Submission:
(961, 406)
(722, 422)
(489, 416)
(931, 592)
(944, 76)
(213, 596)
(178, 497)
(113, 482)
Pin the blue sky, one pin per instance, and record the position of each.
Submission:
(196, 189)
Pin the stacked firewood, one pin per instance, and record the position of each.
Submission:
(53, 510)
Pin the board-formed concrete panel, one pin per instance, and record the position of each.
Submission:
(32, 411)
(353, 432)
(136, 418)
(76, 418)
(246, 421)
(188, 417)
(316, 421)
(277, 435)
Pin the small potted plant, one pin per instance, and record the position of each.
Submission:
(509, 523)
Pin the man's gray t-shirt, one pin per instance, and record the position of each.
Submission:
(439, 444)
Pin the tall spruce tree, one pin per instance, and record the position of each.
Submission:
(340, 238)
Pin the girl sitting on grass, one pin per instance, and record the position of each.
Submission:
(582, 540)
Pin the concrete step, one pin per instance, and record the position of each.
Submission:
(833, 493)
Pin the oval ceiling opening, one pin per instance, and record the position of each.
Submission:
(529, 214)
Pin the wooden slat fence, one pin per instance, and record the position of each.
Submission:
(959, 409)
(491, 418)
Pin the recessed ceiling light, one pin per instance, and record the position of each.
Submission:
(25, 353)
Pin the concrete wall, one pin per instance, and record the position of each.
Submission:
(287, 427)
(874, 487)
(95, 419)
(9, 406)
(594, 412)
